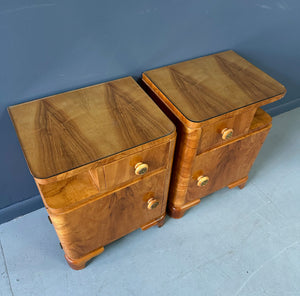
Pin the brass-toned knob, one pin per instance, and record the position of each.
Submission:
(227, 133)
(141, 168)
(202, 181)
(152, 203)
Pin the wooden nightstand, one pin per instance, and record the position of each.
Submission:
(101, 157)
(214, 102)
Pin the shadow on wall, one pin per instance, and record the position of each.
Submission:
(14, 174)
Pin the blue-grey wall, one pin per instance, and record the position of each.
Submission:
(50, 46)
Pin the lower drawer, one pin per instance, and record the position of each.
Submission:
(219, 167)
(110, 217)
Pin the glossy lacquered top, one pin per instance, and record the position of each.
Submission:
(65, 131)
(213, 85)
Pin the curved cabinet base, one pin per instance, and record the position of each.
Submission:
(241, 183)
(160, 221)
(178, 212)
(80, 263)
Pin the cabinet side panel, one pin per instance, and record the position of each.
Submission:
(186, 148)
(169, 171)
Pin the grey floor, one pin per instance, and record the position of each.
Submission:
(235, 242)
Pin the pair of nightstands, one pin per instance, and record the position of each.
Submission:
(102, 156)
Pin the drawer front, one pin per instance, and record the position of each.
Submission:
(224, 165)
(136, 165)
(219, 133)
(110, 217)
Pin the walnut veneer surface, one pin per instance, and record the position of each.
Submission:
(214, 102)
(213, 85)
(75, 128)
(101, 157)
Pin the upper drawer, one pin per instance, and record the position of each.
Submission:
(135, 165)
(225, 130)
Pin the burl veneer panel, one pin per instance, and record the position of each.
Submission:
(62, 132)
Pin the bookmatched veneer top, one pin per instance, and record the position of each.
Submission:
(213, 85)
(65, 131)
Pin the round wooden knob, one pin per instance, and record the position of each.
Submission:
(141, 168)
(152, 203)
(227, 133)
(202, 181)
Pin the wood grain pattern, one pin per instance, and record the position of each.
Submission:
(226, 164)
(210, 86)
(99, 222)
(185, 152)
(260, 120)
(69, 130)
(193, 141)
(158, 221)
(68, 192)
(86, 218)
(60, 196)
(240, 183)
(178, 212)
(203, 97)
(211, 135)
(123, 170)
(94, 166)
(80, 263)
(82, 148)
